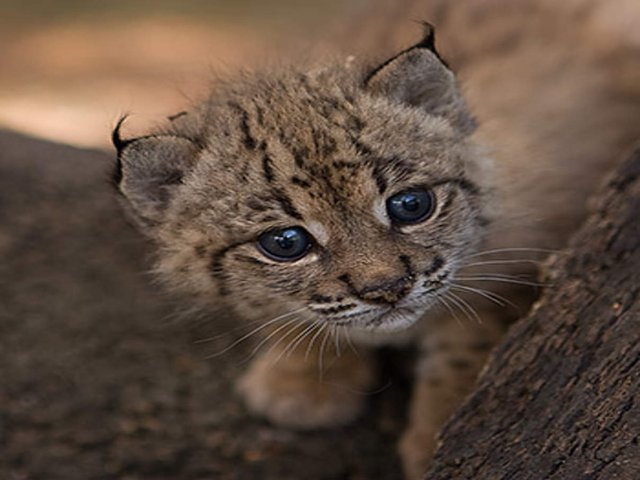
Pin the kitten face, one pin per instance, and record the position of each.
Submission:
(343, 196)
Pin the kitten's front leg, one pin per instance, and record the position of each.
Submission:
(310, 387)
(451, 356)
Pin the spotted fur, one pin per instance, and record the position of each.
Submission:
(324, 149)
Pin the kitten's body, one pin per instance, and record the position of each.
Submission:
(326, 150)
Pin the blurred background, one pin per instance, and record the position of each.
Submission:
(69, 68)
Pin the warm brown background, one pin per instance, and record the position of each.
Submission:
(69, 68)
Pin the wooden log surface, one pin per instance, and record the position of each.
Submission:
(560, 398)
(101, 379)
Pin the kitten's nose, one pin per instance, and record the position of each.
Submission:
(380, 280)
(388, 291)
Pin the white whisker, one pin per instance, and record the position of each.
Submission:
(347, 337)
(270, 336)
(545, 251)
(467, 307)
(300, 338)
(256, 330)
(491, 296)
(500, 278)
(459, 306)
(503, 262)
(321, 352)
(441, 299)
(322, 327)
(278, 342)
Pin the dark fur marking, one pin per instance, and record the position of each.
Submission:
(173, 177)
(317, 298)
(300, 155)
(401, 167)
(175, 116)
(285, 203)
(336, 309)
(437, 264)
(267, 219)
(201, 250)
(258, 206)
(300, 182)
(406, 262)
(216, 268)
(344, 164)
(328, 146)
(378, 176)
(267, 167)
(346, 279)
(362, 149)
(259, 115)
(248, 139)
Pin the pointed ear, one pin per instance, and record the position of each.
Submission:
(149, 170)
(419, 77)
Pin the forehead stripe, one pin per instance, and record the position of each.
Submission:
(286, 204)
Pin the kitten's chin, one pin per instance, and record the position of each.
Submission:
(395, 327)
(392, 321)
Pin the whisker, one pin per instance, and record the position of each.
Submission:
(321, 353)
(278, 342)
(441, 299)
(270, 336)
(459, 306)
(501, 278)
(336, 339)
(301, 336)
(502, 262)
(228, 332)
(322, 326)
(347, 336)
(251, 333)
(491, 296)
(468, 307)
(514, 249)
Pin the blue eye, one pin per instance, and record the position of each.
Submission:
(285, 244)
(411, 206)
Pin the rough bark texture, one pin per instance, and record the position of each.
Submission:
(97, 378)
(97, 382)
(561, 397)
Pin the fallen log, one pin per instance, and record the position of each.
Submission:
(560, 398)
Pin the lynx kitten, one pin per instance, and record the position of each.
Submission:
(347, 202)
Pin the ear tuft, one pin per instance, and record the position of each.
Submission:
(120, 144)
(116, 138)
(419, 77)
(429, 41)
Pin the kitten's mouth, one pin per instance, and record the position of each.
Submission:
(394, 319)
(385, 319)
(391, 318)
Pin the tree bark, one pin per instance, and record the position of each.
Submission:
(560, 398)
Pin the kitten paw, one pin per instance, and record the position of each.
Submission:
(294, 395)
